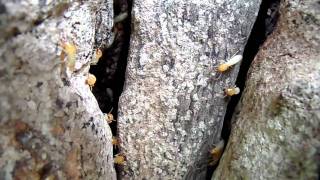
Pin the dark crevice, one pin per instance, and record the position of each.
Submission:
(110, 70)
(263, 27)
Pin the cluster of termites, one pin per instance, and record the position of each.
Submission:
(68, 56)
(217, 150)
(69, 52)
(225, 67)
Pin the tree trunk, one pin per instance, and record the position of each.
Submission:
(275, 133)
(172, 108)
(50, 124)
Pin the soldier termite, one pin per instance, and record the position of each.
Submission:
(231, 91)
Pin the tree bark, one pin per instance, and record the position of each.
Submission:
(172, 108)
(50, 124)
(275, 133)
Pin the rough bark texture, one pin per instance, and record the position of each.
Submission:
(276, 129)
(50, 123)
(172, 108)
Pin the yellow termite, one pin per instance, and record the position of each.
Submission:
(227, 65)
(119, 159)
(232, 91)
(232, 61)
(70, 50)
(115, 141)
(97, 55)
(109, 117)
(216, 152)
(91, 80)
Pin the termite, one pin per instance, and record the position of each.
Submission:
(115, 141)
(216, 152)
(232, 61)
(119, 159)
(91, 80)
(231, 91)
(70, 50)
(225, 66)
(109, 117)
(97, 55)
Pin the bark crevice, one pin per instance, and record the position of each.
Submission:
(263, 27)
(110, 70)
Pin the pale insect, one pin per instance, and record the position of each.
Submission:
(97, 55)
(231, 91)
(119, 159)
(234, 60)
(109, 117)
(216, 153)
(115, 142)
(227, 65)
(70, 50)
(91, 80)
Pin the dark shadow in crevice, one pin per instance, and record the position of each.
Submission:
(263, 27)
(110, 70)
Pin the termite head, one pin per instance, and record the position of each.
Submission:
(232, 91)
(91, 80)
(119, 159)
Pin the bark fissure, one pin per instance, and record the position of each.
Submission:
(110, 70)
(263, 27)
